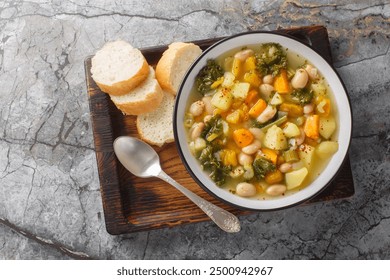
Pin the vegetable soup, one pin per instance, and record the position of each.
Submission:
(261, 121)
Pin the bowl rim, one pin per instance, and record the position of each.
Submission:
(179, 147)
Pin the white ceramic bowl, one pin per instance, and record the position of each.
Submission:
(340, 99)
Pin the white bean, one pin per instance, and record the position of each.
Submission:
(266, 90)
(207, 105)
(196, 108)
(268, 79)
(245, 189)
(257, 132)
(252, 148)
(300, 79)
(312, 72)
(285, 167)
(244, 159)
(275, 190)
(244, 54)
(308, 108)
(268, 113)
(207, 118)
(197, 129)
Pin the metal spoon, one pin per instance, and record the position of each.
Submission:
(142, 160)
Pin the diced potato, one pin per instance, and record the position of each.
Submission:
(327, 126)
(277, 99)
(291, 130)
(233, 117)
(228, 79)
(318, 88)
(240, 90)
(295, 178)
(275, 139)
(222, 99)
(306, 153)
(327, 148)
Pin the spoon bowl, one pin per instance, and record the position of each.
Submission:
(142, 160)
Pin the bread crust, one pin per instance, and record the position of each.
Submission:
(149, 103)
(123, 87)
(165, 65)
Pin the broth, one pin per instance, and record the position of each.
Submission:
(320, 91)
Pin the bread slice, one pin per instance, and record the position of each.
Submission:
(156, 127)
(174, 63)
(118, 67)
(145, 98)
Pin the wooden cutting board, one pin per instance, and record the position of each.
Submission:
(134, 204)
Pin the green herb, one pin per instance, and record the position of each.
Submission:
(303, 96)
(262, 166)
(208, 75)
(271, 59)
(213, 129)
(209, 161)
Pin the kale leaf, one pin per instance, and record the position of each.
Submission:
(209, 161)
(303, 96)
(208, 75)
(262, 166)
(213, 129)
(271, 59)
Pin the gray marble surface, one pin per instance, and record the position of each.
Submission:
(50, 203)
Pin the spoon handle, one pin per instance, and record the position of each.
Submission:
(224, 219)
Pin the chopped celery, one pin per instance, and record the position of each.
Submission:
(277, 123)
(290, 156)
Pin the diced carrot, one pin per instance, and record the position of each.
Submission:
(293, 110)
(259, 188)
(258, 108)
(281, 83)
(274, 177)
(280, 160)
(323, 106)
(270, 154)
(243, 137)
(251, 97)
(311, 127)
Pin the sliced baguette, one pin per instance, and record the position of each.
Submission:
(145, 98)
(156, 127)
(174, 63)
(118, 68)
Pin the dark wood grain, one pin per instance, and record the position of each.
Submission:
(134, 204)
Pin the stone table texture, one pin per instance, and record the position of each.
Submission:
(50, 203)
